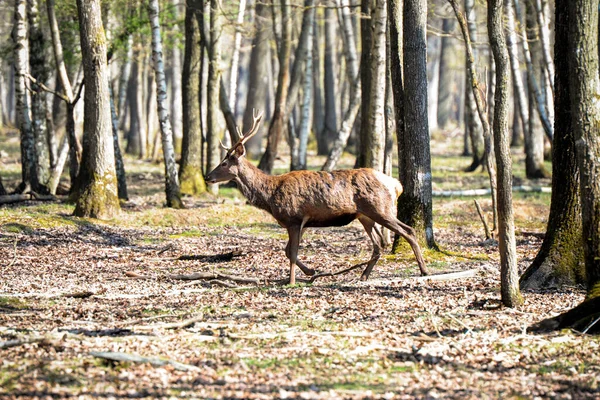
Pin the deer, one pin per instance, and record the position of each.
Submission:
(311, 199)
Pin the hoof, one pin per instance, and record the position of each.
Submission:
(364, 277)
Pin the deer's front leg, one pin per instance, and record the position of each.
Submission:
(291, 250)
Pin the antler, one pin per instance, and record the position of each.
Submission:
(256, 116)
(243, 138)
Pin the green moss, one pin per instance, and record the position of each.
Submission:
(192, 181)
(12, 303)
(98, 199)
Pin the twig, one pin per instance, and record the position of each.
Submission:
(171, 325)
(212, 276)
(154, 361)
(47, 89)
(217, 282)
(14, 255)
(485, 225)
(154, 317)
(453, 318)
(135, 275)
(449, 276)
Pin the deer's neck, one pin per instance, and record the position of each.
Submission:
(255, 185)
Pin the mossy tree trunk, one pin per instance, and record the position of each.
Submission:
(582, 56)
(96, 185)
(415, 203)
(509, 282)
(560, 258)
(192, 179)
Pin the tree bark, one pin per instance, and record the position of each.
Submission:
(307, 95)
(29, 178)
(365, 77)
(119, 164)
(415, 203)
(190, 171)
(585, 110)
(473, 127)
(329, 82)
(96, 186)
(373, 139)
(277, 125)
(37, 63)
(213, 92)
(171, 175)
(318, 109)
(509, 280)
(447, 54)
(559, 260)
(534, 138)
(258, 80)
(176, 89)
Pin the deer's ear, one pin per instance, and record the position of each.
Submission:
(239, 150)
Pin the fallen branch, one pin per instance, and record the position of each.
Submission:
(30, 196)
(450, 276)
(20, 342)
(135, 275)
(154, 361)
(215, 275)
(171, 325)
(485, 192)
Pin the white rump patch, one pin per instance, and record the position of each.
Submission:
(393, 186)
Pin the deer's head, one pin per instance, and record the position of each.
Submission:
(229, 166)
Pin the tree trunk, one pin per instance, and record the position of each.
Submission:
(176, 90)
(534, 86)
(354, 76)
(365, 77)
(481, 110)
(277, 125)
(136, 145)
(213, 156)
(171, 175)
(300, 56)
(96, 186)
(119, 165)
(415, 203)
(445, 84)
(190, 171)
(521, 100)
(534, 138)
(318, 109)
(235, 57)
(373, 139)
(21, 49)
(37, 63)
(258, 80)
(509, 280)
(473, 128)
(307, 95)
(585, 110)
(396, 75)
(582, 56)
(329, 83)
(560, 258)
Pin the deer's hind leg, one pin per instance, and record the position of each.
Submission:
(377, 239)
(407, 232)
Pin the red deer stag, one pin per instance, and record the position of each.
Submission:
(305, 199)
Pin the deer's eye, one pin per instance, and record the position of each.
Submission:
(224, 164)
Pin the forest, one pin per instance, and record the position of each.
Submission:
(308, 199)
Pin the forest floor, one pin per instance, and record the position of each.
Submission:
(72, 295)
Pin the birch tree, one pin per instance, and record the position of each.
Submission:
(29, 177)
(171, 175)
